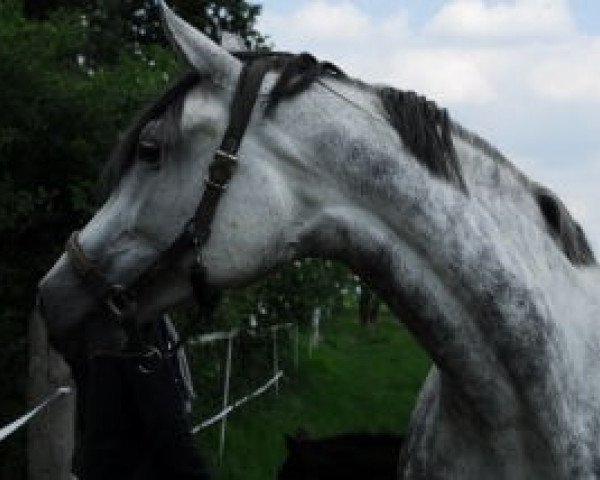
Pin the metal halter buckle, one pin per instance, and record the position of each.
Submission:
(223, 155)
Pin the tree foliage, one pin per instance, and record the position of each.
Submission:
(292, 294)
(114, 25)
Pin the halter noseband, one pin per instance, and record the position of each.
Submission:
(121, 301)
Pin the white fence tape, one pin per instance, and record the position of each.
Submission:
(212, 337)
(216, 336)
(226, 411)
(226, 395)
(19, 422)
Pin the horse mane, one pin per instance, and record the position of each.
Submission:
(562, 227)
(424, 128)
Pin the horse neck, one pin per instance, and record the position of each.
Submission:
(474, 277)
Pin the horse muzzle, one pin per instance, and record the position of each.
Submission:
(63, 300)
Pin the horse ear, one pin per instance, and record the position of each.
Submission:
(197, 49)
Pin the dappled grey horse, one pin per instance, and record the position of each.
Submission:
(486, 268)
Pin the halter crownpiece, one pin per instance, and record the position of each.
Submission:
(120, 301)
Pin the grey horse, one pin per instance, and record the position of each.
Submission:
(485, 267)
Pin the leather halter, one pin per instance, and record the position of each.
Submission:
(121, 301)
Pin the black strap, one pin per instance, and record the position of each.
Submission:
(225, 160)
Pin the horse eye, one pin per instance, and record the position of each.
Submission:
(148, 152)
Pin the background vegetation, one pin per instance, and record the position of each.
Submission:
(72, 74)
(358, 380)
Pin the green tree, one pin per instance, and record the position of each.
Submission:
(291, 294)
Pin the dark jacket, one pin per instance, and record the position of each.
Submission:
(135, 424)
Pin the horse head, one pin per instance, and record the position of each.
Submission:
(159, 173)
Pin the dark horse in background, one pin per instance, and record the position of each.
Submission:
(342, 457)
(486, 268)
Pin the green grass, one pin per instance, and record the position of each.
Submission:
(359, 379)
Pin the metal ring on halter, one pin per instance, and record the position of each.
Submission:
(154, 356)
(118, 302)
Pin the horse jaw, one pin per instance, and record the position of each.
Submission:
(199, 51)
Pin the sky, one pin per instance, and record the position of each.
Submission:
(524, 74)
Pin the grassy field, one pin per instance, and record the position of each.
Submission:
(359, 379)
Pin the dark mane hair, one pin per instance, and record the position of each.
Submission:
(562, 227)
(425, 130)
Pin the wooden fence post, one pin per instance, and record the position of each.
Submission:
(316, 335)
(50, 434)
(226, 394)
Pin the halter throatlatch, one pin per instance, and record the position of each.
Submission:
(120, 301)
